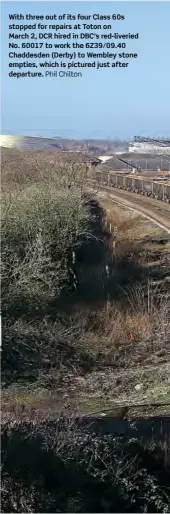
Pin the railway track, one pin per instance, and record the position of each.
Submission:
(155, 210)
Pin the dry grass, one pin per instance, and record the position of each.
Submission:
(45, 352)
(130, 225)
(44, 219)
(110, 333)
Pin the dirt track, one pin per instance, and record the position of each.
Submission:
(156, 210)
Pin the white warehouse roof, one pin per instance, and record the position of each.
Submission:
(105, 158)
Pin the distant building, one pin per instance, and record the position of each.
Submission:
(121, 149)
(105, 158)
(150, 145)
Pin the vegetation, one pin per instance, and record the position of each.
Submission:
(69, 306)
(64, 467)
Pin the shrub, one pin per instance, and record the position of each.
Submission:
(41, 226)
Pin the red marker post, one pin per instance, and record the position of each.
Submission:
(132, 337)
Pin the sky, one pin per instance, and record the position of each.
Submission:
(104, 103)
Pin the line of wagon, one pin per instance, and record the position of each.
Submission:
(157, 190)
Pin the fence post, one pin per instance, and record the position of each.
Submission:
(104, 220)
(108, 294)
(107, 270)
(114, 248)
(73, 257)
(163, 192)
(114, 241)
(108, 301)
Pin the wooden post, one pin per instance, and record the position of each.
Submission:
(114, 241)
(163, 192)
(73, 257)
(107, 270)
(108, 295)
(108, 301)
(114, 248)
(105, 221)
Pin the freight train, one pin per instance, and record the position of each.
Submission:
(154, 189)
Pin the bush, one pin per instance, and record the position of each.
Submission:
(64, 467)
(42, 225)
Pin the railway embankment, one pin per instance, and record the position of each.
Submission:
(156, 210)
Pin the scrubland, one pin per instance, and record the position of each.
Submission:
(70, 302)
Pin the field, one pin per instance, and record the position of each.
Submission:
(86, 324)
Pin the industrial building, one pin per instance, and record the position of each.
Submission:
(150, 145)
